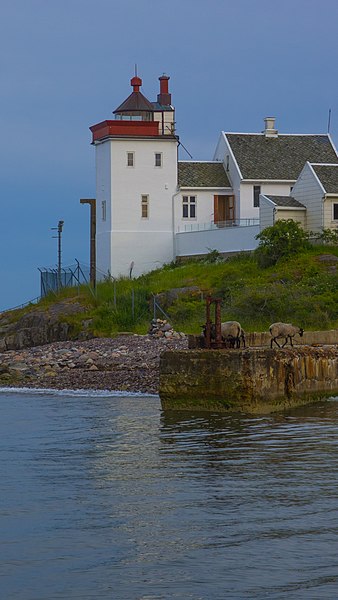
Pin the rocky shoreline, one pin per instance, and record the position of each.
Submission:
(124, 363)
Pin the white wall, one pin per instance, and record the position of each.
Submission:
(222, 152)
(266, 213)
(296, 215)
(204, 206)
(309, 192)
(157, 251)
(229, 239)
(329, 223)
(248, 211)
(103, 193)
(129, 236)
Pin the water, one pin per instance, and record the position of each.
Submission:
(104, 497)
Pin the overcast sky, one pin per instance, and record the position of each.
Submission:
(67, 64)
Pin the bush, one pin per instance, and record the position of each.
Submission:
(328, 236)
(283, 239)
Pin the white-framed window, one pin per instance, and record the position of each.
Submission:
(189, 207)
(256, 192)
(145, 206)
(104, 210)
(130, 159)
(335, 211)
(158, 159)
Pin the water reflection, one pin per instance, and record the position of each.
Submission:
(110, 498)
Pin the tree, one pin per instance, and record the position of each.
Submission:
(284, 238)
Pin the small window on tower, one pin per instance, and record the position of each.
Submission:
(158, 159)
(130, 159)
(104, 210)
(145, 207)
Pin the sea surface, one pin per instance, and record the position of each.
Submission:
(103, 496)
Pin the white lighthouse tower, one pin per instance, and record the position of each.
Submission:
(136, 179)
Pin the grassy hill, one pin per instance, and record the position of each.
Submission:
(302, 289)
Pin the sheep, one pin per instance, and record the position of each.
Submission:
(231, 332)
(284, 330)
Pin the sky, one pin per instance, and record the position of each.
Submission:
(66, 65)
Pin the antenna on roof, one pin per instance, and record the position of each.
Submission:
(329, 121)
(184, 148)
(135, 70)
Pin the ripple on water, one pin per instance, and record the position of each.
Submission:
(103, 496)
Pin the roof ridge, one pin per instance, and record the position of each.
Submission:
(275, 137)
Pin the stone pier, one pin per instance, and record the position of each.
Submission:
(253, 380)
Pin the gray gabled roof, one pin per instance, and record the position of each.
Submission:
(281, 157)
(285, 201)
(328, 177)
(202, 174)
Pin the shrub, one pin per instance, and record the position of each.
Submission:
(283, 239)
(328, 236)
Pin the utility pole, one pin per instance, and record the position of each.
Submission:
(92, 204)
(59, 230)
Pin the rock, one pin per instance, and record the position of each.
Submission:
(38, 327)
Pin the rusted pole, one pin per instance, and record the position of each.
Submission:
(218, 303)
(92, 203)
(208, 323)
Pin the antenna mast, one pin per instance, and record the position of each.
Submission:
(329, 121)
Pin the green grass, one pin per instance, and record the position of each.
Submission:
(302, 290)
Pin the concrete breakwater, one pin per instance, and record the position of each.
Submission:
(253, 380)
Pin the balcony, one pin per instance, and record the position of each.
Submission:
(188, 227)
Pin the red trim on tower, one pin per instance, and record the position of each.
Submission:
(124, 128)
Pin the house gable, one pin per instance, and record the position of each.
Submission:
(278, 158)
(328, 177)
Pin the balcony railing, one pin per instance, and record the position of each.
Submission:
(219, 225)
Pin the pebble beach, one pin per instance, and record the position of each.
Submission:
(124, 363)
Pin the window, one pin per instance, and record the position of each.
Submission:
(104, 210)
(227, 164)
(189, 207)
(158, 159)
(256, 192)
(335, 212)
(130, 159)
(144, 207)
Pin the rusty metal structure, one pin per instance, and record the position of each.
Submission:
(213, 341)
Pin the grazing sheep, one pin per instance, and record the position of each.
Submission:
(284, 330)
(231, 331)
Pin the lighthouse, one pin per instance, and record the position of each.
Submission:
(136, 180)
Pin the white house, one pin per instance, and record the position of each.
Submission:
(268, 163)
(313, 203)
(150, 206)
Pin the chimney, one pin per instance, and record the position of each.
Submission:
(270, 130)
(164, 98)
